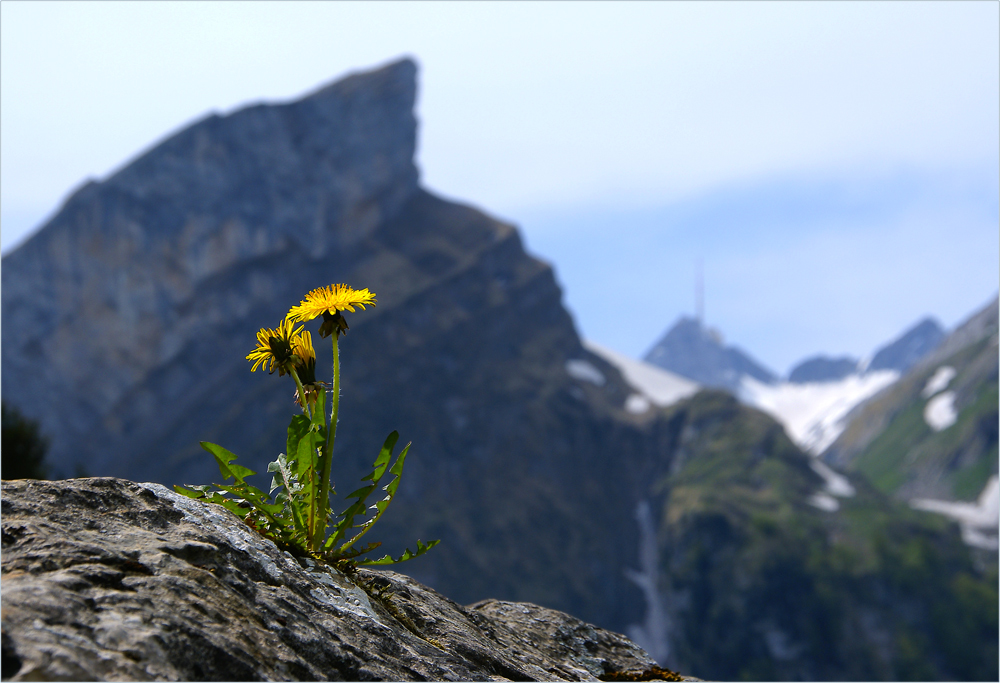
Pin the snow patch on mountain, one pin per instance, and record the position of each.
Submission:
(940, 413)
(979, 521)
(653, 385)
(824, 501)
(939, 381)
(813, 413)
(836, 484)
(584, 371)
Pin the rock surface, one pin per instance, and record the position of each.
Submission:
(106, 579)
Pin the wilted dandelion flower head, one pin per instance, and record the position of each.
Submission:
(274, 347)
(305, 356)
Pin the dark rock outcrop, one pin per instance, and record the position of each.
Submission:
(105, 579)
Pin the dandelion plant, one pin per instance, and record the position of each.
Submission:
(299, 518)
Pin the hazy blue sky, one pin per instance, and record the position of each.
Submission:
(834, 164)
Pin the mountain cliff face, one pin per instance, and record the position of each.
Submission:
(126, 279)
(129, 315)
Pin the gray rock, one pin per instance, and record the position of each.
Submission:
(106, 579)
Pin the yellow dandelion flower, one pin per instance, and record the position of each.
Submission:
(305, 355)
(329, 302)
(274, 347)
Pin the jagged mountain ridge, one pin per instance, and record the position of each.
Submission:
(813, 402)
(697, 352)
(906, 351)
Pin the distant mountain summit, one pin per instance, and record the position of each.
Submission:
(900, 355)
(903, 353)
(823, 369)
(694, 351)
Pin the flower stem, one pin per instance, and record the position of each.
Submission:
(303, 403)
(319, 532)
(310, 519)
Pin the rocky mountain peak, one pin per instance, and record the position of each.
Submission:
(122, 268)
(904, 352)
(697, 352)
(823, 369)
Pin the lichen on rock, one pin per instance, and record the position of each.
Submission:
(107, 579)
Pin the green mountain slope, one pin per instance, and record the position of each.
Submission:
(762, 585)
(890, 440)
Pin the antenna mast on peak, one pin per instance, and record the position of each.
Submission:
(699, 291)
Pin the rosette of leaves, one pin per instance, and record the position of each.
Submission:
(298, 518)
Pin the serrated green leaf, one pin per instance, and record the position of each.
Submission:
(319, 414)
(253, 496)
(378, 468)
(297, 428)
(408, 555)
(346, 524)
(224, 458)
(381, 506)
(230, 504)
(355, 552)
(361, 493)
(194, 492)
(397, 468)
